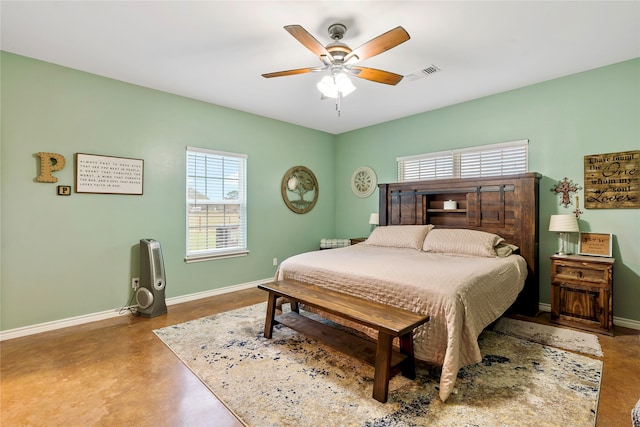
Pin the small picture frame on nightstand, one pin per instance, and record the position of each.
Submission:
(596, 244)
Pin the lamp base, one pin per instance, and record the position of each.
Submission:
(563, 245)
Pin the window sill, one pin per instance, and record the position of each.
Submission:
(210, 257)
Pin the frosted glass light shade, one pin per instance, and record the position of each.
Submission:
(327, 87)
(344, 84)
(374, 219)
(331, 86)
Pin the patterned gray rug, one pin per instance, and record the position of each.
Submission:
(291, 380)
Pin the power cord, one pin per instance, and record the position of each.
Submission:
(133, 309)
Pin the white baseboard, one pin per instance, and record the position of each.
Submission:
(214, 292)
(618, 321)
(94, 317)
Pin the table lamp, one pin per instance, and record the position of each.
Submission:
(563, 224)
(374, 219)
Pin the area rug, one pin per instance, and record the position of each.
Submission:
(291, 380)
(548, 335)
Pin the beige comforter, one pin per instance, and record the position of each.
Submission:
(462, 295)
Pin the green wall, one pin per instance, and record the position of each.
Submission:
(70, 256)
(594, 112)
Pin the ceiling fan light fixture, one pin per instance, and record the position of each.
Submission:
(327, 87)
(344, 84)
(338, 58)
(334, 86)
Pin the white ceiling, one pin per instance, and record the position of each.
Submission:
(216, 51)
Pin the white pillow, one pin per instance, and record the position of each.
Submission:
(399, 236)
(458, 241)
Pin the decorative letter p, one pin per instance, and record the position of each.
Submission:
(50, 162)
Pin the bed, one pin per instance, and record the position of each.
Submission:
(464, 266)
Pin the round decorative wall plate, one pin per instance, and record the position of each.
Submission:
(300, 189)
(363, 181)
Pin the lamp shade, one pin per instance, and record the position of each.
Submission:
(563, 224)
(374, 219)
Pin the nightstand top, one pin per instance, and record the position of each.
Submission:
(585, 258)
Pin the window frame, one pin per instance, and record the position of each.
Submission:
(209, 253)
(432, 166)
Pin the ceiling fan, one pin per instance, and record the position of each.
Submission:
(339, 59)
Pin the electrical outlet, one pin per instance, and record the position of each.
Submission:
(135, 282)
(275, 261)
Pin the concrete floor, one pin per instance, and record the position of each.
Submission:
(116, 372)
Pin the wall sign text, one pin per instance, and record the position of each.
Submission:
(612, 180)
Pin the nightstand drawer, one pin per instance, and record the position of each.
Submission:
(565, 271)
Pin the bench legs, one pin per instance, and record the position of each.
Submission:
(384, 349)
(408, 368)
(294, 306)
(271, 312)
(382, 372)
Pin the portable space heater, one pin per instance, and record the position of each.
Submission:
(150, 294)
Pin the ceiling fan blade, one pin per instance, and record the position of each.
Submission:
(378, 76)
(291, 72)
(382, 43)
(308, 41)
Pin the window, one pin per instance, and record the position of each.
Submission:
(425, 166)
(216, 204)
(488, 160)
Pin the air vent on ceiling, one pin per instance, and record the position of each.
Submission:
(432, 69)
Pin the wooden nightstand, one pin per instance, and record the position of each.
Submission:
(582, 292)
(357, 240)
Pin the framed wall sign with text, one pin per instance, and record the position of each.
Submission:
(597, 244)
(108, 174)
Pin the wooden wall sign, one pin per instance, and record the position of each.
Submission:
(612, 180)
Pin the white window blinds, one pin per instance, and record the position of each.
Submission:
(216, 204)
(432, 166)
(488, 160)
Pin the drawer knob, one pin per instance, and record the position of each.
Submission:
(579, 274)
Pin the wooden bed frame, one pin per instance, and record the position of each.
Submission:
(505, 205)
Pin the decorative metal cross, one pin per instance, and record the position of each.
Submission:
(566, 187)
(577, 210)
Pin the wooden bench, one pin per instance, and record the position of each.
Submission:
(389, 321)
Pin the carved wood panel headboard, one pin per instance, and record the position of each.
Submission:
(505, 205)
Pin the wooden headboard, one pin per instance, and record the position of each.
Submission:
(506, 205)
